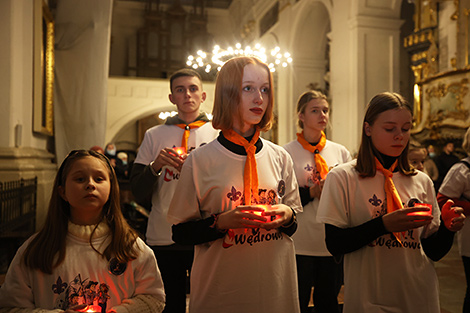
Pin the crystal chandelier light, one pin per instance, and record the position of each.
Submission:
(218, 56)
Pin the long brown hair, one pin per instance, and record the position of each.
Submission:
(47, 249)
(367, 152)
(228, 87)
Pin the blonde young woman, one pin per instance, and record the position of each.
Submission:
(244, 256)
(313, 156)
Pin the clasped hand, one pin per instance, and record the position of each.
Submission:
(254, 216)
(316, 189)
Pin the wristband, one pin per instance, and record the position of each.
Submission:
(152, 170)
(214, 224)
(293, 220)
(216, 217)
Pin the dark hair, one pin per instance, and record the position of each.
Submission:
(367, 152)
(47, 249)
(304, 99)
(182, 73)
(228, 87)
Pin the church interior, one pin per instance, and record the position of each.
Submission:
(77, 74)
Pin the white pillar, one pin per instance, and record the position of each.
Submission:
(364, 61)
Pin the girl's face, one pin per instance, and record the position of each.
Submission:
(316, 115)
(87, 188)
(416, 158)
(254, 98)
(390, 132)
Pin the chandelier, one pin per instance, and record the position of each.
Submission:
(210, 61)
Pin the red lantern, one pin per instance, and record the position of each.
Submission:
(422, 213)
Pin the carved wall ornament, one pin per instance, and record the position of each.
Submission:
(443, 104)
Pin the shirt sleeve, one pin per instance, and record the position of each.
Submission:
(148, 279)
(185, 204)
(141, 178)
(456, 181)
(333, 207)
(140, 304)
(292, 196)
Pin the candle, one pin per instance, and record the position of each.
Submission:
(422, 213)
(263, 207)
(180, 150)
(90, 308)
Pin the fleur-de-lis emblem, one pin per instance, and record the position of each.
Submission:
(308, 168)
(375, 201)
(234, 195)
(59, 286)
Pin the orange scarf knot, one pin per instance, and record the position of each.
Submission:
(320, 163)
(187, 128)
(250, 174)
(393, 198)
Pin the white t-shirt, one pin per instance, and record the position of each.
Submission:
(456, 184)
(71, 282)
(382, 276)
(309, 239)
(248, 270)
(156, 139)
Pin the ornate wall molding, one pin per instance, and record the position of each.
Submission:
(443, 104)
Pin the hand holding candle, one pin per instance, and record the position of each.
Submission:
(180, 151)
(415, 214)
(426, 209)
(243, 216)
(280, 215)
(172, 157)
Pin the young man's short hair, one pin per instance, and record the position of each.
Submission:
(184, 72)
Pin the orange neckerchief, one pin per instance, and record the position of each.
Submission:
(250, 175)
(320, 162)
(187, 127)
(393, 198)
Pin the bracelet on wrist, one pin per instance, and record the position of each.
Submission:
(292, 220)
(152, 170)
(214, 224)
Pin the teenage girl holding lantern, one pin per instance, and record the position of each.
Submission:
(244, 256)
(370, 209)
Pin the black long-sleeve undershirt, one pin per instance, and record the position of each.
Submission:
(142, 182)
(340, 241)
(305, 195)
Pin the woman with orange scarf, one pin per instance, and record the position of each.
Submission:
(244, 255)
(382, 215)
(313, 155)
